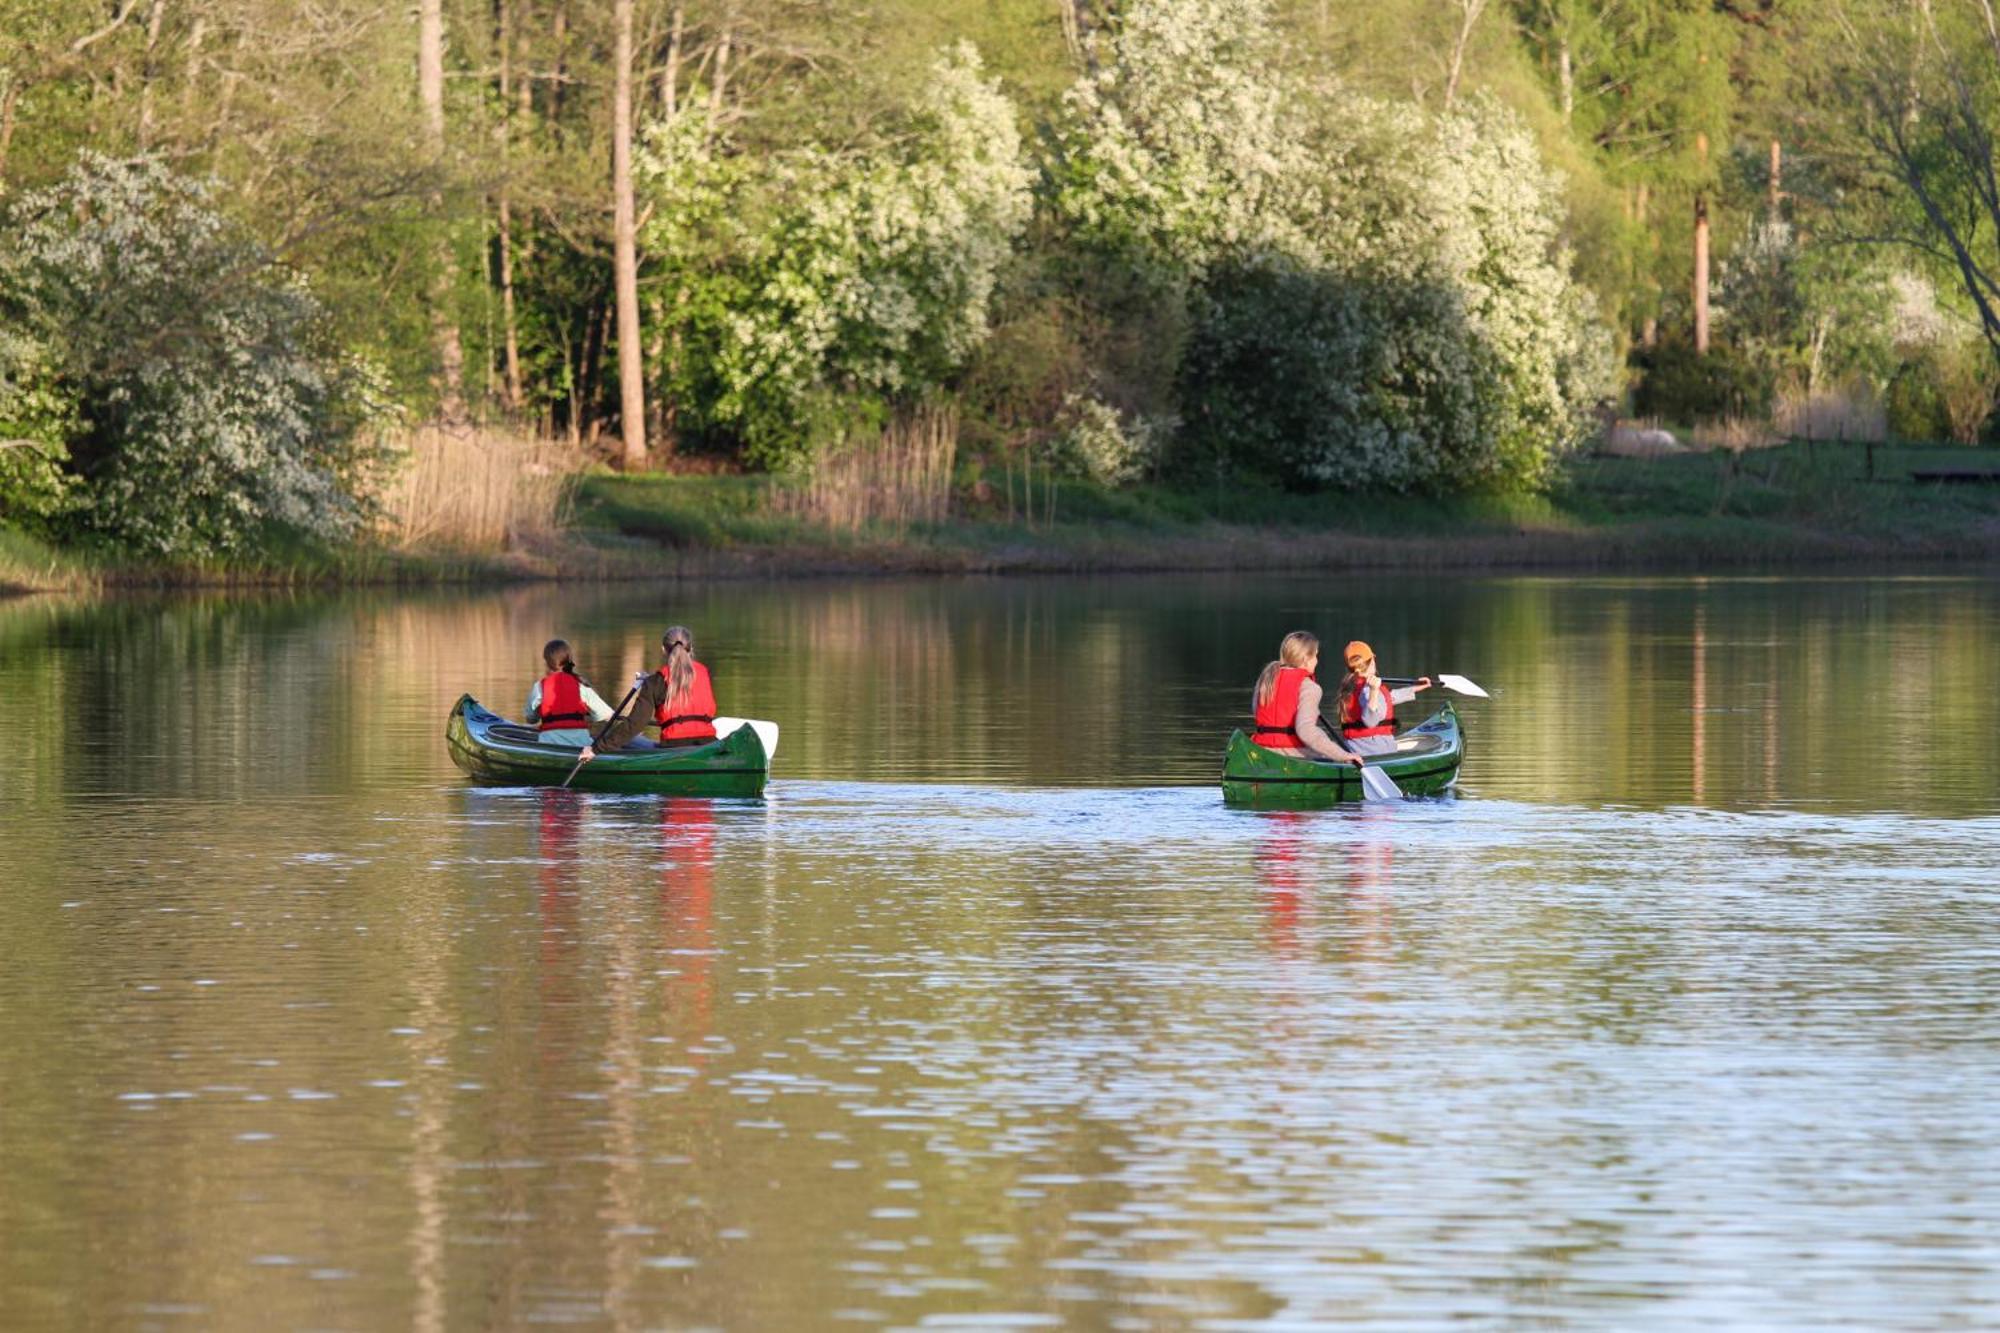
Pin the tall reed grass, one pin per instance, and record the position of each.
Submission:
(1842, 412)
(476, 490)
(1735, 434)
(900, 477)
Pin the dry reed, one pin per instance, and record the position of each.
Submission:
(476, 490)
(1841, 413)
(1735, 434)
(900, 477)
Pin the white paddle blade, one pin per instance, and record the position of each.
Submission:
(1378, 786)
(767, 732)
(1463, 686)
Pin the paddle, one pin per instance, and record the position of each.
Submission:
(1375, 784)
(1458, 684)
(609, 722)
(767, 732)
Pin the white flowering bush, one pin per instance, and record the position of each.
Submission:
(813, 288)
(1098, 442)
(1181, 147)
(208, 409)
(1378, 296)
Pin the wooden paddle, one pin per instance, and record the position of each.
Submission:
(609, 722)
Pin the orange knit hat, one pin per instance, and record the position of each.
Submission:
(1358, 652)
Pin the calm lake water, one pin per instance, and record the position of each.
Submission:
(990, 1014)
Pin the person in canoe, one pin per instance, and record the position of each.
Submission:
(562, 704)
(1367, 706)
(1286, 704)
(679, 697)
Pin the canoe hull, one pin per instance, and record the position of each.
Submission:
(489, 749)
(1427, 766)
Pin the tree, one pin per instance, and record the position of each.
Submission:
(203, 406)
(444, 324)
(631, 369)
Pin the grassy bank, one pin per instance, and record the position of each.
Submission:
(1793, 505)
(1796, 503)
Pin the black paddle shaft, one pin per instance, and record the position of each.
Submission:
(609, 723)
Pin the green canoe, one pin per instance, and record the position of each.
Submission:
(492, 749)
(1425, 763)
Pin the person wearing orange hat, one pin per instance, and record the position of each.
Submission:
(1367, 706)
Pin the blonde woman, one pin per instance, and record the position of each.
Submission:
(1286, 704)
(679, 697)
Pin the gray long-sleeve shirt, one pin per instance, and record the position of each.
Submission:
(1311, 735)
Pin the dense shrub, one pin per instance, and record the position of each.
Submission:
(1377, 297)
(1680, 386)
(206, 407)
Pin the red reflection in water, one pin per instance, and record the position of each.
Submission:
(1292, 899)
(1281, 872)
(687, 888)
(558, 832)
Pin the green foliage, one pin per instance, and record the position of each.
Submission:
(1914, 402)
(806, 292)
(36, 420)
(207, 410)
(1681, 386)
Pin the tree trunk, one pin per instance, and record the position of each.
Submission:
(670, 78)
(154, 18)
(721, 76)
(1567, 73)
(1701, 257)
(509, 321)
(1469, 11)
(625, 249)
(191, 76)
(1649, 328)
(1777, 190)
(1701, 275)
(444, 329)
(561, 70)
(588, 375)
(9, 99)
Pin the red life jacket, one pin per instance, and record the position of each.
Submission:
(562, 702)
(1277, 714)
(1350, 714)
(693, 717)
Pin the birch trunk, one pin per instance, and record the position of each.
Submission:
(624, 241)
(1469, 12)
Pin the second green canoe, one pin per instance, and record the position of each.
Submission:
(1425, 764)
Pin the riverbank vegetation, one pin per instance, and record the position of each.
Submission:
(352, 288)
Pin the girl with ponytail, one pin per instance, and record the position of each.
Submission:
(679, 697)
(562, 703)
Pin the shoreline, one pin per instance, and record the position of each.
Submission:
(1643, 546)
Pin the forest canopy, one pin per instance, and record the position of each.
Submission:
(1425, 245)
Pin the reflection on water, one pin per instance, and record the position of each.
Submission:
(991, 1010)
